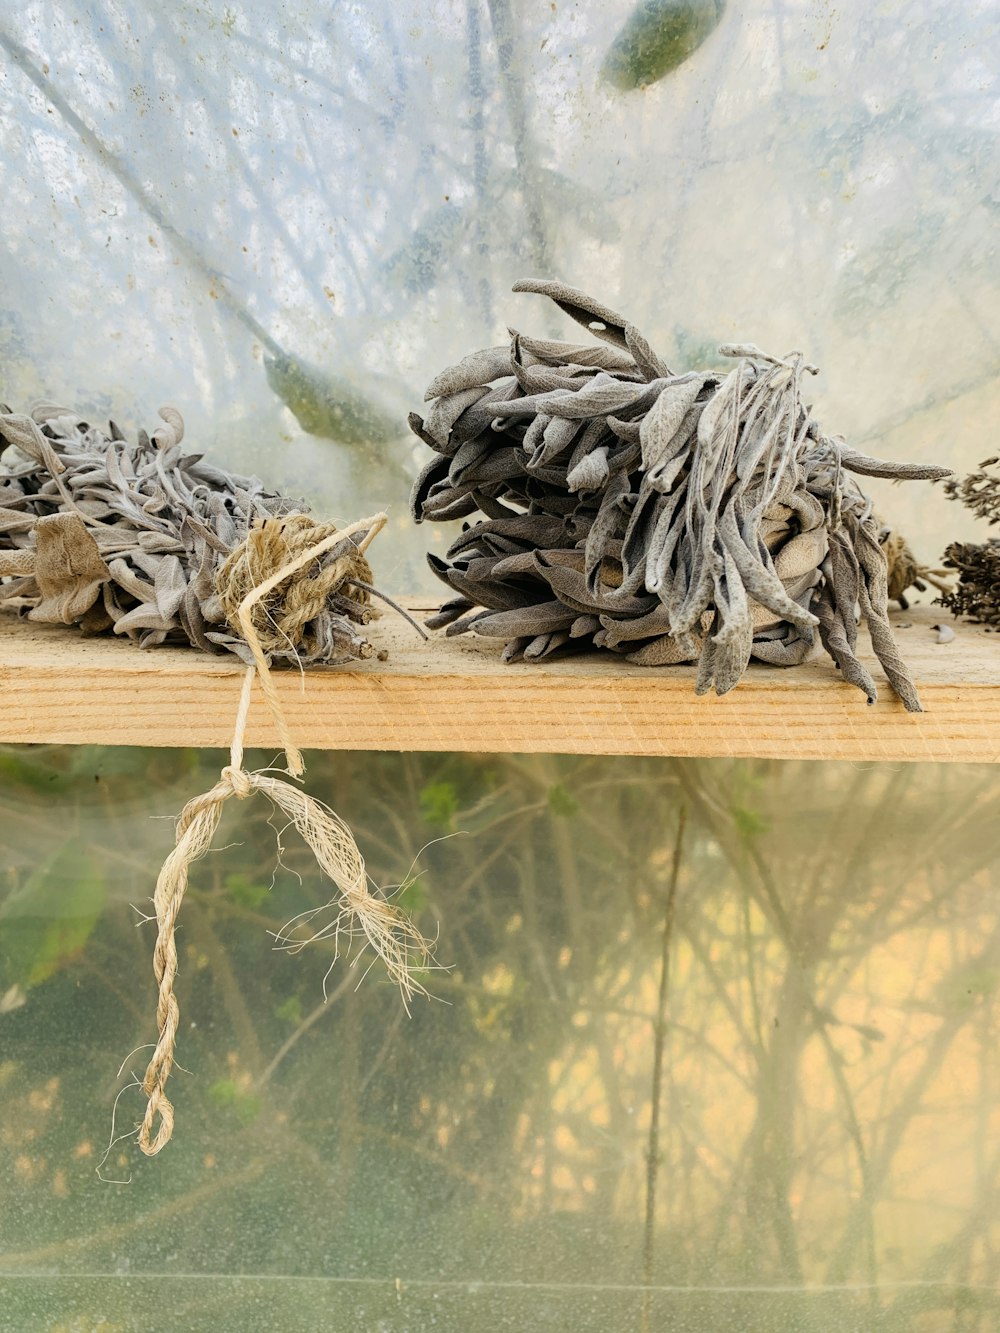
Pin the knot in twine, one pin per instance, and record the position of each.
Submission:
(357, 911)
(239, 781)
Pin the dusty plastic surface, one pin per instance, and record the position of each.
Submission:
(190, 187)
(826, 1155)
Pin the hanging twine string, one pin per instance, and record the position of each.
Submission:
(359, 912)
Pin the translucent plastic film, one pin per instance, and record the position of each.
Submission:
(286, 218)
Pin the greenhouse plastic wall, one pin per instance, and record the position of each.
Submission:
(713, 1045)
(346, 192)
(821, 1046)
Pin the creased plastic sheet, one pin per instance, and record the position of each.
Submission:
(285, 218)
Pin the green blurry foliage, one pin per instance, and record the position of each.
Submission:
(413, 897)
(659, 36)
(230, 1096)
(47, 919)
(290, 1010)
(246, 890)
(561, 802)
(439, 803)
(326, 405)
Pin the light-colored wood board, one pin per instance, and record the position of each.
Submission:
(454, 694)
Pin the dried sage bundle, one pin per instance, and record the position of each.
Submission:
(161, 546)
(669, 517)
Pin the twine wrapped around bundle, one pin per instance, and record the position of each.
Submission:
(668, 517)
(164, 548)
(273, 602)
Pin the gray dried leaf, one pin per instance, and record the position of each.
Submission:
(446, 411)
(15, 521)
(573, 591)
(45, 412)
(526, 622)
(544, 645)
(435, 470)
(883, 467)
(651, 365)
(140, 619)
(446, 506)
(170, 585)
(583, 626)
(834, 637)
(666, 651)
(661, 426)
(469, 454)
(491, 593)
(557, 436)
(514, 649)
(559, 353)
(172, 431)
(748, 352)
(784, 652)
(591, 472)
(480, 416)
(21, 563)
(68, 570)
(449, 612)
(471, 372)
(600, 319)
(24, 434)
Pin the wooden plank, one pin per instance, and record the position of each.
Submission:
(455, 694)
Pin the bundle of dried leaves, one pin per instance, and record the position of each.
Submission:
(668, 517)
(977, 594)
(161, 546)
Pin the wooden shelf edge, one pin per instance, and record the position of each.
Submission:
(455, 695)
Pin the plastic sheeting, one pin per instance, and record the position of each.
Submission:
(285, 219)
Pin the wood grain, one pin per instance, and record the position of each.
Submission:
(454, 694)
